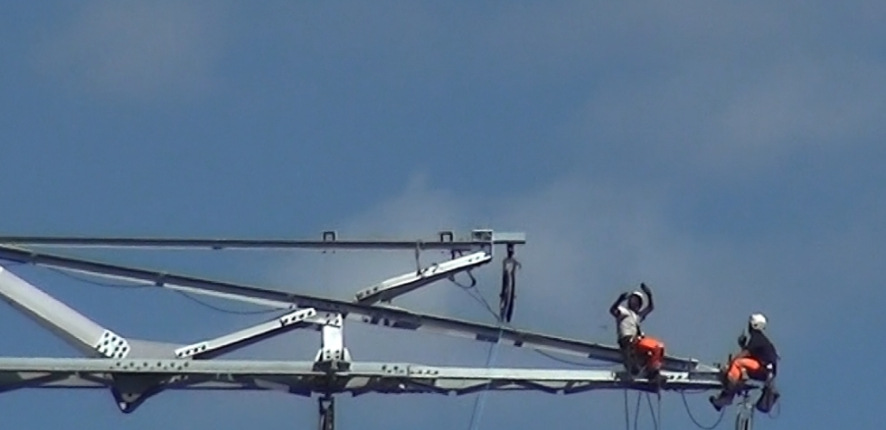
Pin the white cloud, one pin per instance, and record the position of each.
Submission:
(586, 244)
(135, 50)
(587, 241)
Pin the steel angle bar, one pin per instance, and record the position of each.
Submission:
(77, 330)
(360, 378)
(247, 336)
(376, 315)
(479, 238)
(399, 285)
(11, 381)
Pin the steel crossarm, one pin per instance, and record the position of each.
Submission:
(479, 238)
(377, 315)
(303, 378)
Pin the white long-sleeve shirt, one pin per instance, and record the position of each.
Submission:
(628, 322)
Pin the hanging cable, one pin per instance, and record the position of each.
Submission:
(659, 411)
(86, 279)
(473, 291)
(656, 420)
(574, 363)
(694, 421)
(627, 411)
(224, 310)
(480, 400)
(455, 253)
(774, 415)
(126, 286)
(460, 285)
(475, 294)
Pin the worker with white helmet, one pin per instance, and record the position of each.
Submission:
(757, 360)
(638, 349)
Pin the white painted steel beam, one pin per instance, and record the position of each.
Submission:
(376, 315)
(82, 333)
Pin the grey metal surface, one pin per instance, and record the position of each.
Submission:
(66, 323)
(377, 315)
(301, 377)
(394, 287)
(230, 342)
(479, 238)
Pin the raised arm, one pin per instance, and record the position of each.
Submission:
(613, 310)
(651, 305)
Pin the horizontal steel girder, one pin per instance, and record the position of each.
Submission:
(480, 238)
(303, 378)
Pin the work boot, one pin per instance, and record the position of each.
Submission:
(725, 397)
(767, 400)
(721, 401)
(656, 380)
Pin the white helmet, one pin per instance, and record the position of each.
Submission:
(639, 296)
(757, 321)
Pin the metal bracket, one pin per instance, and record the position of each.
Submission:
(131, 391)
(332, 354)
(329, 236)
(112, 345)
(447, 236)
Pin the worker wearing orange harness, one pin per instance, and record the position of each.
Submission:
(758, 360)
(638, 349)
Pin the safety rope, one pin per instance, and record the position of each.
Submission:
(133, 285)
(627, 413)
(480, 400)
(472, 290)
(656, 420)
(694, 421)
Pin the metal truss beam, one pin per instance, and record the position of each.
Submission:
(247, 336)
(376, 315)
(446, 242)
(304, 378)
(76, 329)
(389, 289)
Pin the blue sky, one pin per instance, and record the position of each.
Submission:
(728, 155)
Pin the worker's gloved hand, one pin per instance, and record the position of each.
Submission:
(645, 288)
(742, 340)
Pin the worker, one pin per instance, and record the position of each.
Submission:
(757, 360)
(639, 351)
